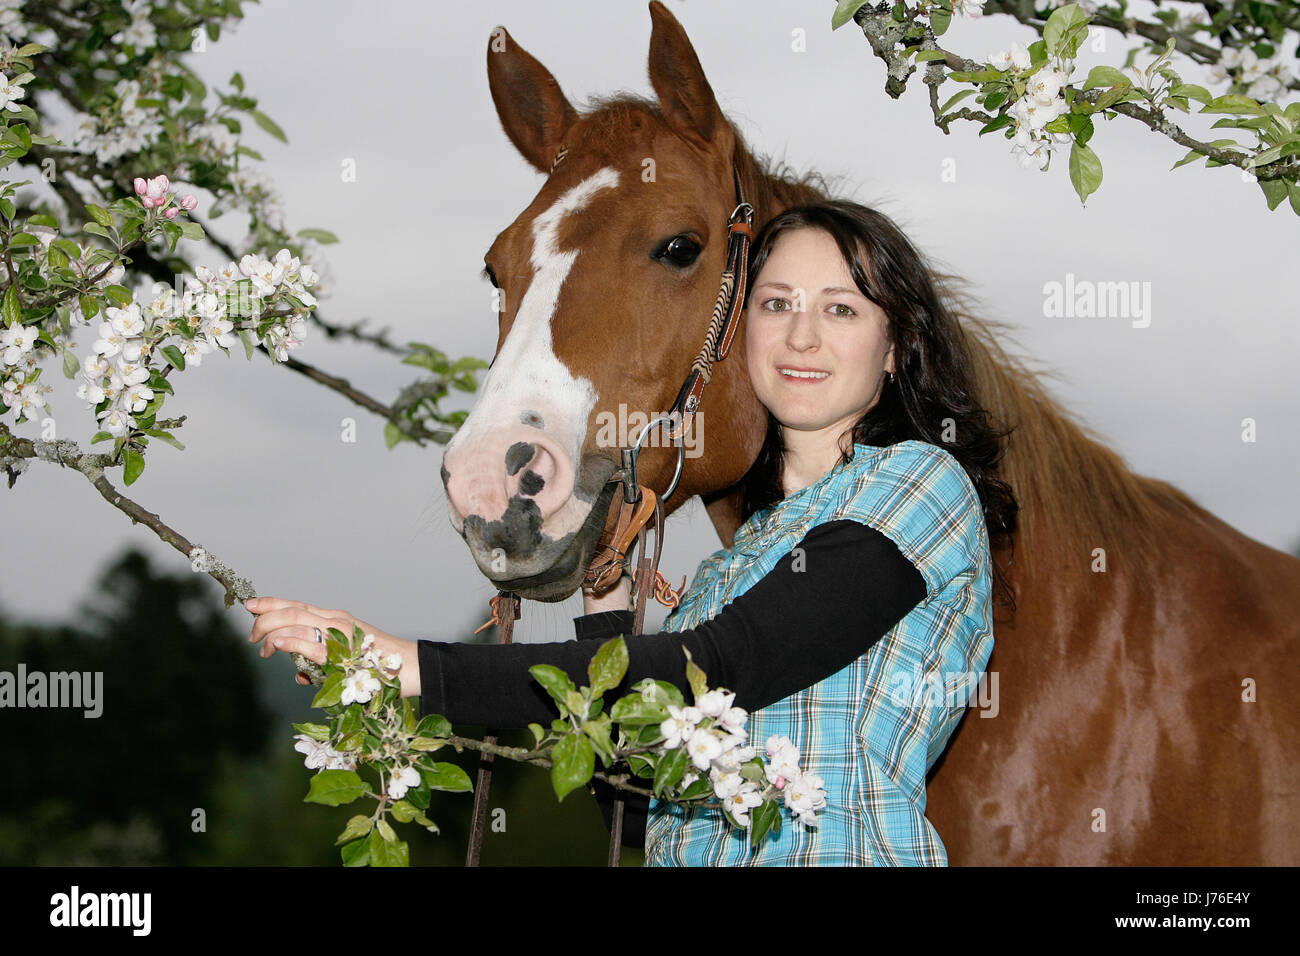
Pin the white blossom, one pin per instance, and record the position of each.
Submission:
(360, 686)
(17, 341)
(401, 781)
(741, 802)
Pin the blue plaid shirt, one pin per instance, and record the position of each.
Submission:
(872, 730)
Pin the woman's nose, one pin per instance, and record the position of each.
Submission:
(803, 333)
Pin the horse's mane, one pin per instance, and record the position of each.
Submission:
(1075, 494)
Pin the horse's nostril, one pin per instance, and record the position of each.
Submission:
(531, 483)
(518, 455)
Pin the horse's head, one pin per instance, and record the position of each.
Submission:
(607, 281)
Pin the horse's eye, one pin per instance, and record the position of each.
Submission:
(680, 251)
(491, 276)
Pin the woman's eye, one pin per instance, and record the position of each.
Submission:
(680, 251)
(776, 305)
(843, 310)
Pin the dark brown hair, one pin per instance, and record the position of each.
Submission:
(932, 395)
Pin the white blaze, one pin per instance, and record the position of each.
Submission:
(526, 373)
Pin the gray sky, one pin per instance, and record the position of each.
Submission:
(267, 485)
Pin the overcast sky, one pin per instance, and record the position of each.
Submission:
(267, 485)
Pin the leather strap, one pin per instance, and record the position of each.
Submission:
(506, 609)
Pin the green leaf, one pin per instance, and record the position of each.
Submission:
(268, 124)
(323, 236)
(1233, 104)
(358, 826)
(314, 731)
(539, 734)
(975, 76)
(1061, 33)
(762, 819)
(1192, 156)
(191, 230)
(434, 725)
(1275, 190)
(608, 666)
(386, 830)
(101, 436)
(95, 229)
(1293, 192)
(844, 11)
(10, 310)
(384, 853)
(134, 466)
(939, 21)
(573, 763)
(696, 677)
(174, 356)
(1104, 76)
(335, 787)
(926, 55)
(100, 214)
(1192, 92)
(40, 219)
(671, 769)
(955, 99)
(635, 711)
(1085, 171)
(24, 239)
(356, 853)
(119, 294)
(331, 692)
(70, 364)
(555, 681)
(447, 777)
(427, 744)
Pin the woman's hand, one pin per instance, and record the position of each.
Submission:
(289, 626)
(617, 598)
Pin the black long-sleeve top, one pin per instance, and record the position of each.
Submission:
(795, 627)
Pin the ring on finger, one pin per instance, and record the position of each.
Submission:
(320, 638)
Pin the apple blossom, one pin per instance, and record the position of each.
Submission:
(9, 93)
(703, 746)
(679, 726)
(740, 803)
(17, 341)
(360, 686)
(714, 703)
(401, 781)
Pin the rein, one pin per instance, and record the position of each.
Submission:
(640, 503)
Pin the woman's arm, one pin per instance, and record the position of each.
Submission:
(793, 628)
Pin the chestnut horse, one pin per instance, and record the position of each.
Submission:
(1142, 717)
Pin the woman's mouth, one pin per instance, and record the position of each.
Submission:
(799, 375)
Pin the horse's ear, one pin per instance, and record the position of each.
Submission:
(685, 96)
(533, 111)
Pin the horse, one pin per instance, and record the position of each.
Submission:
(1142, 716)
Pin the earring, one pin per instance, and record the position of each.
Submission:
(891, 377)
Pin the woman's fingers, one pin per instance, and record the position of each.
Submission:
(299, 638)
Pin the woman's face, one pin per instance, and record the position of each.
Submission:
(805, 313)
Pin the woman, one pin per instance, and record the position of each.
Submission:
(866, 517)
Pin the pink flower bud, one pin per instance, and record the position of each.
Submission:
(779, 783)
(188, 202)
(171, 212)
(140, 186)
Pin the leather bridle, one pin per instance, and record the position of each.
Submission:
(639, 503)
